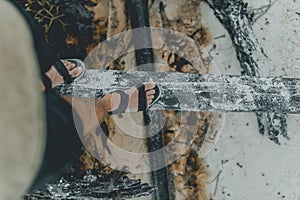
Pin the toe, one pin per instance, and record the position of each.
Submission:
(149, 85)
(150, 92)
(68, 65)
(150, 97)
(149, 102)
(76, 72)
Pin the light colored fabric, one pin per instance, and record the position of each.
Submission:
(22, 132)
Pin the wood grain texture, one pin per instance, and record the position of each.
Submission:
(194, 92)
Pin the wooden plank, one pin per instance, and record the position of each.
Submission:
(194, 92)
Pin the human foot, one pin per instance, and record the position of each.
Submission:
(134, 99)
(64, 71)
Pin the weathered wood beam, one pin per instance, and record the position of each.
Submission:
(195, 92)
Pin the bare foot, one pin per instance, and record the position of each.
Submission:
(133, 98)
(57, 79)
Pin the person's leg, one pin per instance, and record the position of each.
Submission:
(22, 128)
(63, 142)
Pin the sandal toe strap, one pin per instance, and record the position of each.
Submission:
(63, 71)
(47, 83)
(142, 99)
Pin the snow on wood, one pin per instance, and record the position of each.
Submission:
(194, 92)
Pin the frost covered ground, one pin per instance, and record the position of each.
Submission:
(245, 164)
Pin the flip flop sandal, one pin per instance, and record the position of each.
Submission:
(142, 104)
(78, 63)
(143, 99)
(63, 71)
(156, 96)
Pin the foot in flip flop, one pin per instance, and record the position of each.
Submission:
(64, 71)
(134, 99)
